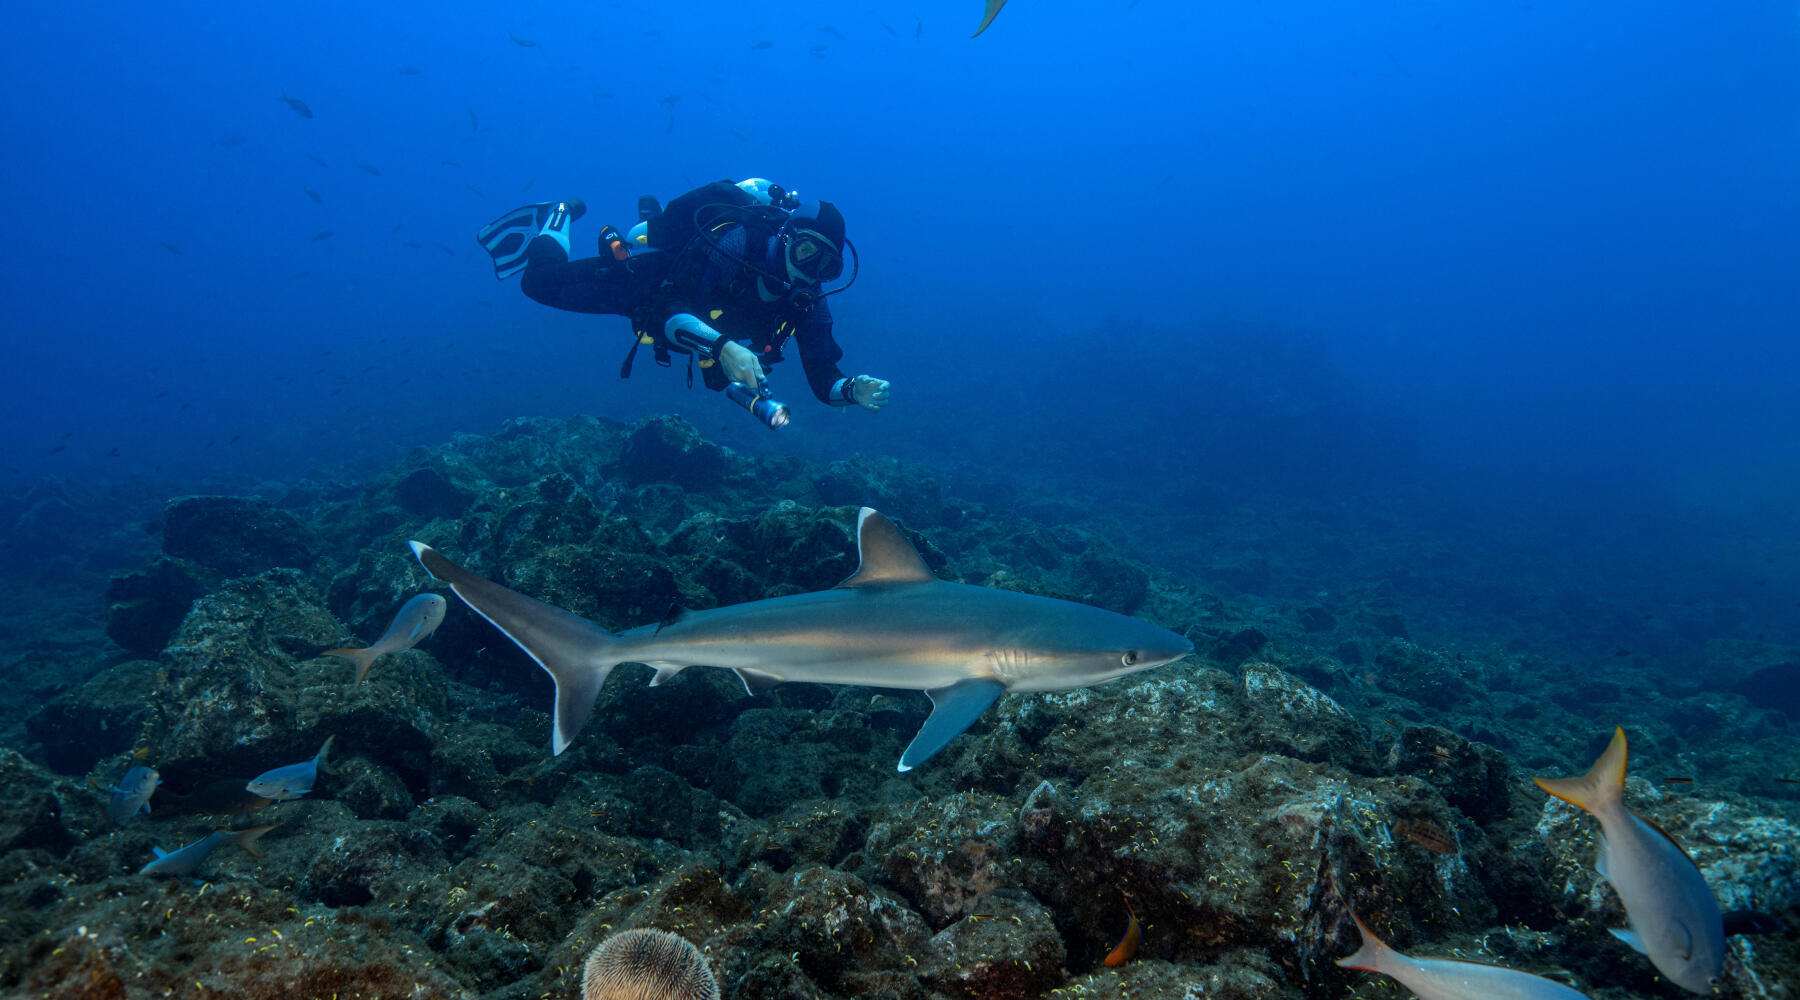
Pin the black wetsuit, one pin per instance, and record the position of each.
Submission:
(717, 288)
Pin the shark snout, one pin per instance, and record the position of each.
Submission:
(1154, 646)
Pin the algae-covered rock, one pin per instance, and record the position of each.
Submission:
(148, 604)
(1292, 718)
(235, 536)
(103, 716)
(670, 450)
(31, 808)
(1008, 951)
(445, 851)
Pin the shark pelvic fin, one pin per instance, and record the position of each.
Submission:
(886, 556)
(756, 681)
(953, 709)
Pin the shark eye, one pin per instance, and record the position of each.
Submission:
(1129, 658)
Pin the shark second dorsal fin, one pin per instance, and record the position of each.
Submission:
(886, 556)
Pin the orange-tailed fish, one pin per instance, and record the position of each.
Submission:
(187, 860)
(987, 16)
(1451, 979)
(1675, 920)
(416, 619)
(1128, 945)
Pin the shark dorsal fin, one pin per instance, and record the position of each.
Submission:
(887, 557)
(675, 613)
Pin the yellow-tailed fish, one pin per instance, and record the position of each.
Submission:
(1675, 920)
(416, 619)
(987, 16)
(1451, 979)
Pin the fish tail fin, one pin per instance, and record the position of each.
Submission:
(1602, 786)
(1374, 955)
(577, 654)
(362, 658)
(248, 837)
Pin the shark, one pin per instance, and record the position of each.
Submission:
(891, 624)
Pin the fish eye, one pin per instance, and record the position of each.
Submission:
(1129, 657)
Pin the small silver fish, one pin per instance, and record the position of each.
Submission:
(133, 794)
(416, 619)
(187, 860)
(1450, 979)
(290, 781)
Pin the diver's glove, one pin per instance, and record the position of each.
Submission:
(868, 392)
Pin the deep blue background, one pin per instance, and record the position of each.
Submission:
(1505, 269)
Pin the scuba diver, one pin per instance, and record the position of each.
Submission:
(750, 258)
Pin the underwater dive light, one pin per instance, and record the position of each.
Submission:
(774, 415)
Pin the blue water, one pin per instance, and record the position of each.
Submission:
(1518, 275)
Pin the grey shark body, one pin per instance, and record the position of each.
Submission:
(892, 624)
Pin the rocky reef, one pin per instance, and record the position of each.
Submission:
(1311, 754)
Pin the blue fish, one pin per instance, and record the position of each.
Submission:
(290, 781)
(132, 795)
(184, 862)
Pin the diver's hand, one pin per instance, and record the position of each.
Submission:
(742, 366)
(870, 393)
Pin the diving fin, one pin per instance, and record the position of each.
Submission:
(507, 238)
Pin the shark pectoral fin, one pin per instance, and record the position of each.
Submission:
(987, 16)
(953, 709)
(159, 852)
(577, 654)
(756, 681)
(664, 671)
(1630, 937)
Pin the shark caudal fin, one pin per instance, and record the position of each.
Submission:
(362, 659)
(576, 653)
